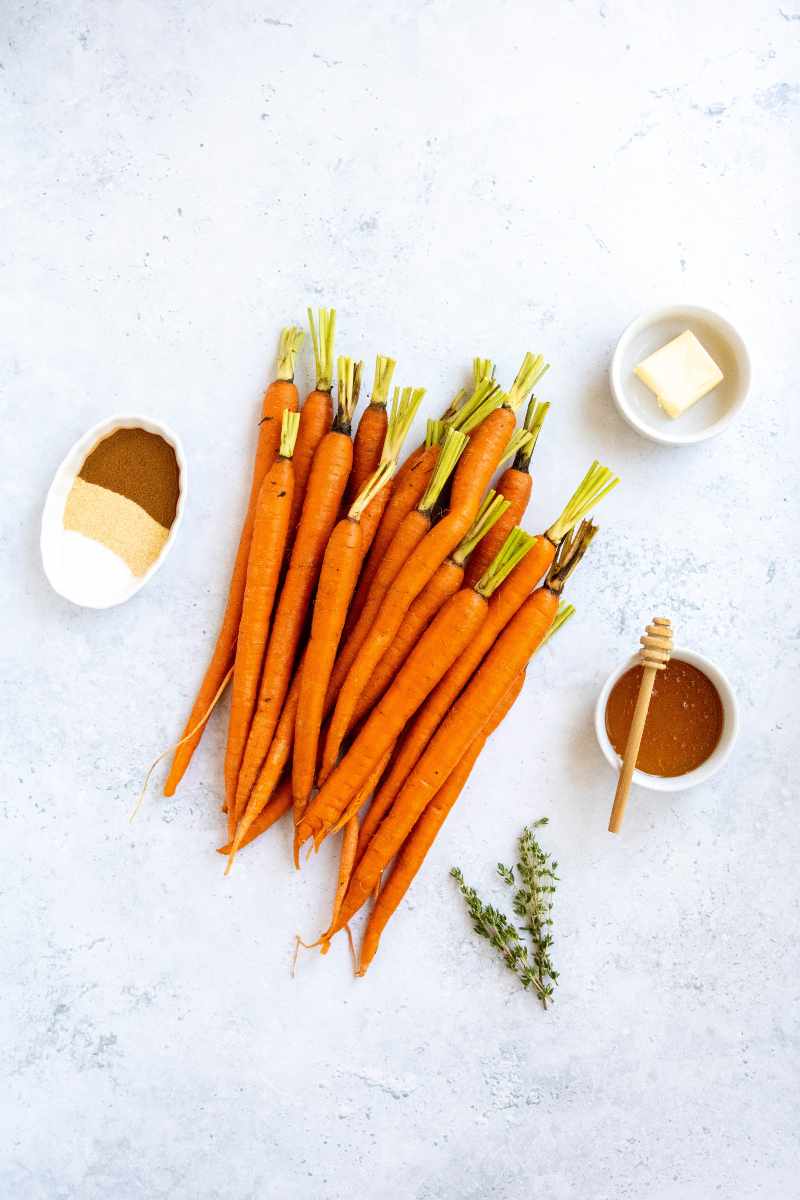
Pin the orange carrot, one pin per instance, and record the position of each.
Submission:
(340, 567)
(448, 578)
(349, 843)
(419, 841)
(515, 484)
(477, 464)
(408, 489)
(280, 803)
(411, 532)
(371, 432)
(263, 571)
(316, 415)
(280, 395)
(326, 483)
(445, 638)
(507, 658)
(422, 836)
(505, 602)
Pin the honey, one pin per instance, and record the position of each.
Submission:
(684, 721)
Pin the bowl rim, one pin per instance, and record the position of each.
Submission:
(666, 311)
(82, 447)
(713, 764)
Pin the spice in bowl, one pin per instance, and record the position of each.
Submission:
(684, 722)
(125, 496)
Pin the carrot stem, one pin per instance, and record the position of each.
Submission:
(534, 419)
(596, 483)
(404, 407)
(322, 342)
(486, 397)
(564, 613)
(384, 370)
(290, 423)
(291, 340)
(482, 368)
(512, 551)
(454, 405)
(452, 447)
(531, 371)
(348, 389)
(491, 510)
(517, 444)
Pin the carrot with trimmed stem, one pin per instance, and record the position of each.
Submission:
(371, 433)
(446, 637)
(419, 841)
(281, 394)
(404, 407)
(449, 577)
(326, 483)
(413, 529)
(507, 658)
(316, 415)
(407, 490)
(340, 567)
(505, 602)
(267, 548)
(516, 485)
(409, 486)
(490, 419)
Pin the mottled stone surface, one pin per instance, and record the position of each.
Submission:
(180, 179)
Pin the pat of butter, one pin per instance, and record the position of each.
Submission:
(680, 374)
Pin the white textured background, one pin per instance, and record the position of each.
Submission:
(178, 180)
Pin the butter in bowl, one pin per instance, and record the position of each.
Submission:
(680, 375)
(113, 510)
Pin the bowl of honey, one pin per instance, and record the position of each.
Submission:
(691, 725)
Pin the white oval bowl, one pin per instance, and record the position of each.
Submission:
(714, 763)
(709, 416)
(78, 568)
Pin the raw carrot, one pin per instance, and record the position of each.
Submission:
(349, 842)
(408, 489)
(515, 484)
(445, 638)
(505, 602)
(280, 395)
(490, 435)
(448, 578)
(405, 404)
(371, 433)
(412, 530)
(280, 803)
(507, 658)
(267, 548)
(326, 483)
(340, 567)
(316, 415)
(422, 836)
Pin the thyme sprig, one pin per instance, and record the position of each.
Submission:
(534, 885)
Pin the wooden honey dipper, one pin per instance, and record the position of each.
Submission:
(654, 656)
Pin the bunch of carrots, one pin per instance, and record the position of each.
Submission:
(381, 616)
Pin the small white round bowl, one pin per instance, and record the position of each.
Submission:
(713, 764)
(82, 570)
(638, 405)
